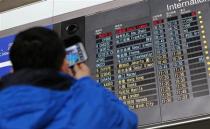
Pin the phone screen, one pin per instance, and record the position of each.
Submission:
(75, 54)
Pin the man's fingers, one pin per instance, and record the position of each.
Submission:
(82, 66)
(81, 70)
(76, 68)
(70, 72)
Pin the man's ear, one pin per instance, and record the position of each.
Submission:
(65, 66)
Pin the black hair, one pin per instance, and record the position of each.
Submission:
(37, 48)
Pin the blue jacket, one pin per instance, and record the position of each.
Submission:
(85, 105)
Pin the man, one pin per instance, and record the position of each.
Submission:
(43, 93)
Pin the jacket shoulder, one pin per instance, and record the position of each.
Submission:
(91, 106)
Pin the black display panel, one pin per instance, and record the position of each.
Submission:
(154, 55)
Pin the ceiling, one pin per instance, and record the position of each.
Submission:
(48, 12)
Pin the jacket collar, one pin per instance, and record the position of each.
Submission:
(45, 78)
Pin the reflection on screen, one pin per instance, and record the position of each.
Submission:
(72, 55)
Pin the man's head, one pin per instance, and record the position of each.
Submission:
(37, 48)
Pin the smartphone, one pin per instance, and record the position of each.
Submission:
(76, 54)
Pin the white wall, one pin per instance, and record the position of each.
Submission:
(0, 23)
(42, 10)
(63, 6)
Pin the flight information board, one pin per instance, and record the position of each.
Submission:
(154, 55)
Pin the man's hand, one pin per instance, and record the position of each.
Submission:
(81, 70)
